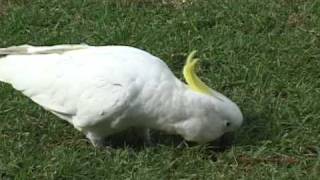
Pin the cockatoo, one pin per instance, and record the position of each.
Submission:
(102, 90)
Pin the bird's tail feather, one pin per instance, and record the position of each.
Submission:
(3, 77)
(15, 50)
(7, 55)
(29, 50)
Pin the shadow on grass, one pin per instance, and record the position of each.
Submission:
(256, 128)
(127, 139)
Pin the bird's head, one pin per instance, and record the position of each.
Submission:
(217, 113)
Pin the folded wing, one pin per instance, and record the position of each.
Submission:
(70, 86)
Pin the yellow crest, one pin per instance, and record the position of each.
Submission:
(189, 72)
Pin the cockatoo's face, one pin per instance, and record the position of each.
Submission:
(224, 117)
(210, 123)
(220, 114)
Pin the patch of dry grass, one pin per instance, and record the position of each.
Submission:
(296, 20)
(6, 4)
(173, 3)
(3, 7)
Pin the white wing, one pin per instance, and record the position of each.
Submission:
(69, 85)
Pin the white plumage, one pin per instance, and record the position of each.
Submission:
(107, 89)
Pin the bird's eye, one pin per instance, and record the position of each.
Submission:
(228, 124)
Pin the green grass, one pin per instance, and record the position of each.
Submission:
(265, 55)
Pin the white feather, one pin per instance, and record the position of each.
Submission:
(104, 90)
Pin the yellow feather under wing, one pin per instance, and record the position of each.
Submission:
(189, 72)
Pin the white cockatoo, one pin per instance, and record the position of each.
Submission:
(102, 90)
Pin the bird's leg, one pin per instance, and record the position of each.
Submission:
(183, 144)
(147, 136)
(143, 134)
(96, 141)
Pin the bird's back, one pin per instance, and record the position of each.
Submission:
(87, 84)
(109, 59)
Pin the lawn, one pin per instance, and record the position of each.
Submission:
(265, 55)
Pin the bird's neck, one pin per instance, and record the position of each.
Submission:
(175, 105)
